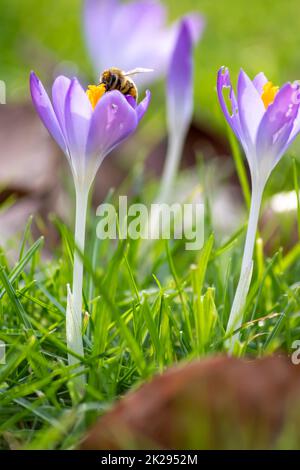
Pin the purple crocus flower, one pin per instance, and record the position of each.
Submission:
(133, 34)
(86, 128)
(180, 95)
(266, 120)
(180, 81)
(84, 134)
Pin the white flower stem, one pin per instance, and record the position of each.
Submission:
(235, 318)
(74, 312)
(174, 152)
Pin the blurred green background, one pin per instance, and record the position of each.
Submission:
(256, 35)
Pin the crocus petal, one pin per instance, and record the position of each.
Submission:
(78, 112)
(60, 89)
(259, 81)
(180, 82)
(131, 100)
(296, 127)
(143, 105)
(45, 110)
(196, 25)
(112, 121)
(276, 126)
(232, 116)
(251, 110)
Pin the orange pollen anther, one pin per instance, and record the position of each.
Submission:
(94, 93)
(269, 93)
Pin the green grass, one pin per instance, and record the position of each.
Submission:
(140, 318)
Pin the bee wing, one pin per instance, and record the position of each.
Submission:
(137, 70)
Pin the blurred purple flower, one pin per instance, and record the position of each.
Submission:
(266, 120)
(180, 82)
(86, 130)
(133, 34)
(179, 104)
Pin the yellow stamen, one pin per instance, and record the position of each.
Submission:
(95, 92)
(269, 93)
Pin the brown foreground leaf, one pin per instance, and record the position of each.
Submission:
(215, 403)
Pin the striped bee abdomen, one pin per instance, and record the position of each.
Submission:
(116, 79)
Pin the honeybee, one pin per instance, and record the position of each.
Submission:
(117, 79)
